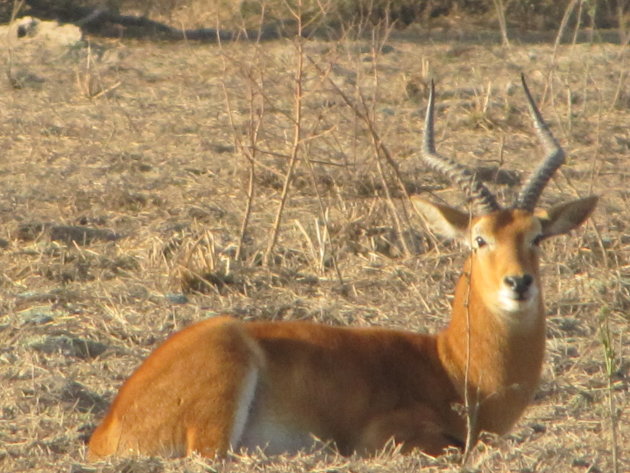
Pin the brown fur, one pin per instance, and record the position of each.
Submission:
(355, 386)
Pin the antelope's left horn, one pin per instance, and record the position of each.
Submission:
(531, 191)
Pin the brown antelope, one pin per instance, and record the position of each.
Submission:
(224, 384)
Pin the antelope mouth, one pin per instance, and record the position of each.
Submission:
(513, 301)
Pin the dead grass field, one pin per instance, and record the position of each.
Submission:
(124, 181)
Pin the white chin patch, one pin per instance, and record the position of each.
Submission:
(513, 303)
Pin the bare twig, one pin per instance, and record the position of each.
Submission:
(500, 8)
(249, 151)
(361, 110)
(470, 409)
(297, 133)
(610, 358)
(17, 6)
(563, 24)
(325, 220)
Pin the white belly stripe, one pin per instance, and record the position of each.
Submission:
(243, 409)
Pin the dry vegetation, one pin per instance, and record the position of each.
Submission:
(140, 184)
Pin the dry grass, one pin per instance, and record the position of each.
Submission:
(124, 190)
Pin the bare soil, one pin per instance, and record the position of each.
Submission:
(124, 182)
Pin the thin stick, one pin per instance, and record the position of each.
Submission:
(578, 21)
(471, 413)
(324, 216)
(498, 5)
(255, 122)
(380, 146)
(610, 360)
(620, 83)
(297, 134)
(17, 6)
(562, 27)
(249, 152)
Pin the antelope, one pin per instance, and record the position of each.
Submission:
(224, 384)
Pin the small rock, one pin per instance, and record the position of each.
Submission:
(37, 315)
(45, 34)
(78, 395)
(68, 346)
(177, 298)
(31, 231)
(80, 235)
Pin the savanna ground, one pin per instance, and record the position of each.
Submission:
(140, 183)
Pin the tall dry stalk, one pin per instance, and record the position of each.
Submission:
(500, 8)
(250, 152)
(365, 113)
(326, 238)
(296, 145)
(15, 9)
(381, 151)
(568, 11)
(623, 19)
(470, 410)
(611, 361)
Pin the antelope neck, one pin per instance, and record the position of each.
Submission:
(501, 361)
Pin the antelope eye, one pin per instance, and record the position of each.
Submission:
(537, 240)
(480, 242)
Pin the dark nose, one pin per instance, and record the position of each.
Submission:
(519, 284)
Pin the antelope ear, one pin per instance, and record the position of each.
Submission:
(565, 217)
(444, 220)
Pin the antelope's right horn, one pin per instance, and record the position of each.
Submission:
(484, 201)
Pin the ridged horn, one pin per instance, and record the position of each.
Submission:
(484, 201)
(530, 193)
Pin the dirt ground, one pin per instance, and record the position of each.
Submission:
(125, 172)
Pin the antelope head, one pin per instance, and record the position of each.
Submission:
(503, 266)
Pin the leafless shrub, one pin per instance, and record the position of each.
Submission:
(188, 160)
